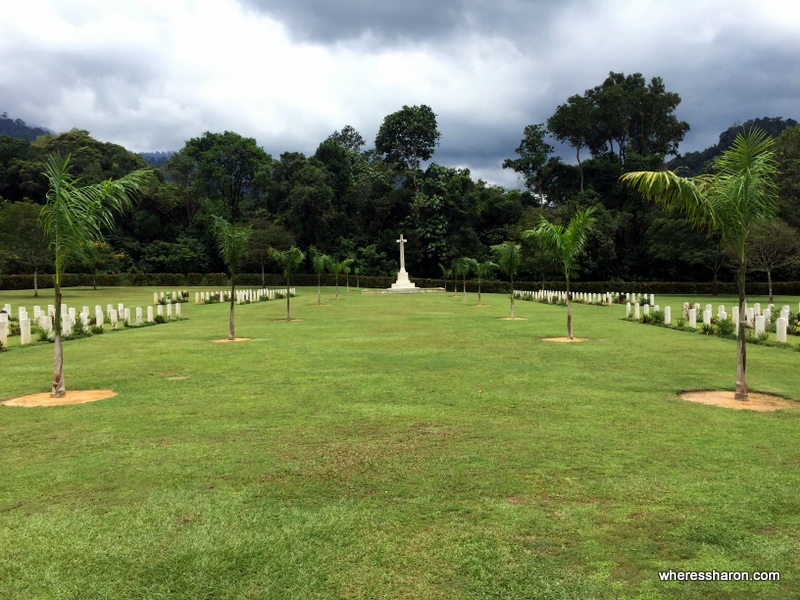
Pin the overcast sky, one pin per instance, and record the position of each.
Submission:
(151, 74)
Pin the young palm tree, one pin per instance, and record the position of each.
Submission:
(319, 262)
(357, 273)
(508, 258)
(734, 198)
(461, 268)
(72, 216)
(564, 245)
(481, 270)
(232, 244)
(347, 266)
(446, 274)
(289, 260)
(336, 267)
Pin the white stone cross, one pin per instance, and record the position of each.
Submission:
(402, 241)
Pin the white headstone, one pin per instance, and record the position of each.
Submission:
(751, 317)
(126, 315)
(757, 308)
(636, 314)
(4, 333)
(628, 310)
(25, 331)
(138, 315)
(780, 326)
(160, 309)
(652, 300)
(646, 308)
(760, 324)
(693, 318)
(667, 315)
(85, 322)
(178, 311)
(66, 324)
(735, 318)
(149, 314)
(706, 317)
(112, 315)
(155, 297)
(169, 311)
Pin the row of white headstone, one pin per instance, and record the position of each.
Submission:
(586, 297)
(70, 318)
(172, 297)
(755, 318)
(242, 296)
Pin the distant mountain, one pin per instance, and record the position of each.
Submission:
(695, 162)
(17, 128)
(156, 159)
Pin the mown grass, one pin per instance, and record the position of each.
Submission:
(394, 447)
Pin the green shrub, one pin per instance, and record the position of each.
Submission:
(707, 329)
(725, 327)
(159, 319)
(96, 329)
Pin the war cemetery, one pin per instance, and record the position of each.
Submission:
(399, 383)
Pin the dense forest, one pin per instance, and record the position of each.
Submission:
(351, 199)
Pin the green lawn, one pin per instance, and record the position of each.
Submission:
(405, 446)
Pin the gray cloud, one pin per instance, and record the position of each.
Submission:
(288, 73)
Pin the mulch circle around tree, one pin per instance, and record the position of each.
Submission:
(725, 399)
(564, 339)
(510, 319)
(224, 340)
(71, 397)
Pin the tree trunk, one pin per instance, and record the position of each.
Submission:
(94, 280)
(569, 311)
(233, 302)
(337, 286)
(741, 344)
(580, 166)
(479, 292)
(59, 389)
(319, 289)
(769, 283)
(512, 299)
(288, 311)
(36, 283)
(464, 286)
(347, 279)
(263, 277)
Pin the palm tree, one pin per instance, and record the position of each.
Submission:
(446, 274)
(72, 216)
(564, 245)
(481, 270)
(232, 244)
(336, 267)
(289, 260)
(346, 268)
(319, 262)
(461, 268)
(734, 198)
(508, 258)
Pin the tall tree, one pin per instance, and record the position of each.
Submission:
(565, 244)
(508, 258)
(408, 137)
(289, 260)
(232, 244)
(72, 216)
(226, 167)
(735, 198)
(22, 243)
(572, 123)
(773, 245)
(532, 163)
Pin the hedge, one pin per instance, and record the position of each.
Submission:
(221, 280)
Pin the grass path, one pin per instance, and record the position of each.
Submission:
(407, 446)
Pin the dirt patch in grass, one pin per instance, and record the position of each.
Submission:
(725, 399)
(510, 319)
(71, 397)
(238, 339)
(564, 339)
